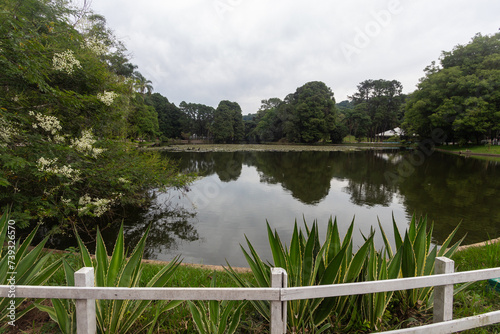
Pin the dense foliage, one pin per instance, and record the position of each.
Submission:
(376, 107)
(69, 98)
(228, 123)
(198, 119)
(307, 116)
(461, 95)
(309, 261)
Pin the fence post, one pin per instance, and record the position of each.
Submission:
(85, 308)
(279, 279)
(443, 295)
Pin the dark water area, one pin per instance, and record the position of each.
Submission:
(237, 192)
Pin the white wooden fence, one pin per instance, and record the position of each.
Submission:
(278, 294)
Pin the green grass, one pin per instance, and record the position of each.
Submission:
(479, 297)
(349, 139)
(179, 319)
(483, 149)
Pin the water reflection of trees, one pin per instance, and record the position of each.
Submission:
(306, 174)
(227, 165)
(364, 172)
(168, 226)
(450, 190)
(446, 188)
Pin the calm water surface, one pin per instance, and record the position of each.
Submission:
(237, 192)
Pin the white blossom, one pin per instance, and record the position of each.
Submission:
(49, 123)
(95, 45)
(65, 61)
(65, 200)
(6, 132)
(107, 97)
(49, 166)
(102, 205)
(45, 164)
(123, 180)
(96, 206)
(69, 172)
(85, 199)
(85, 144)
(59, 139)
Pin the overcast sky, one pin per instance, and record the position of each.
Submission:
(205, 51)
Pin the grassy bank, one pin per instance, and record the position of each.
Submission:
(271, 147)
(477, 149)
(478, 298)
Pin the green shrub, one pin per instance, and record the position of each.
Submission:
(114, 316)
(216, 317)
(309, 262)
(418, 257)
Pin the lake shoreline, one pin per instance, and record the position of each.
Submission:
(270, 147)
(468, 153)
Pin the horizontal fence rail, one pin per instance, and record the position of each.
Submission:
(107, 293)
(85, 295)
(452, 326)
(361, 288)
(271, 294)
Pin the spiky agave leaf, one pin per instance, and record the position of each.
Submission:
(30, 266)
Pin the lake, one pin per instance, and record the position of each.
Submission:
(237, 192)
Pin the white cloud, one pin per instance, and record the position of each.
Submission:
(245, 51)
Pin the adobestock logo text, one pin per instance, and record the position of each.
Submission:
(364, 35)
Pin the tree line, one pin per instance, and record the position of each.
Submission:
(459, 96)
(309, 115)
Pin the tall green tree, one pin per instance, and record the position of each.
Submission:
(377, 105)
(228, 123)
(313, 113)
(355, 119)
(460, 96)
(197, 118)
(170, 117)
(141, 84)
(143, 120)
(269, 126)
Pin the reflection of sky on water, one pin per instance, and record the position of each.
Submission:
(227, 211)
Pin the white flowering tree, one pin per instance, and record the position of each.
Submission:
(67, 104)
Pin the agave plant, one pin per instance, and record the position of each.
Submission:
(114, 316)
(308, 262)
(418, 256)
(214, 317)
(21, 266)
(63, 310)
(378, 266)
